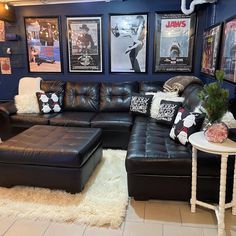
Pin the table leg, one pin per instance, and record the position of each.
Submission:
(223, 174)
(194, 180)
(234, 192)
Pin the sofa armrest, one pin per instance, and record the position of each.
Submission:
(8, 107)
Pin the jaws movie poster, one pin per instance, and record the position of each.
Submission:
(174, 42)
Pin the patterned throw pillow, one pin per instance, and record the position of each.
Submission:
(170, 96)
(48, 102)
(185, 124)
(141, 104)
(167, 112)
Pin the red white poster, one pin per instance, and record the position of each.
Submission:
(5, 65)
(2, 31)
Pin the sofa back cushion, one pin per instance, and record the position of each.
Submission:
(117, 96)
(54, 86)
(150, 86)
(82, 96)
(190, 94)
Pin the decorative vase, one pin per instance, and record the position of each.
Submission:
(216, 132)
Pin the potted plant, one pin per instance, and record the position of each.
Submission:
(214, 98)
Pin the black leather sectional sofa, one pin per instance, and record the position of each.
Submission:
(157, 167)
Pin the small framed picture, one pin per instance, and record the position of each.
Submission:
(228, 52)
(2, 31)
(43, 44)
(210, 51)
(85, 44)
(5, 65)
(128, 43)
(174, 41)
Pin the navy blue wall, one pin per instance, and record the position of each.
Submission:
(9, 83)
(214, 14)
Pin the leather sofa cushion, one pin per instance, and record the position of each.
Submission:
(116, 96)
(28, 120)
(190, 94)
(73, 118)
(113, 121)
(54, 86)
(152, 152)
(81, 96)
(150, 86)
(51, 146)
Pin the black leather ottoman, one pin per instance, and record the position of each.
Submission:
(51, 157)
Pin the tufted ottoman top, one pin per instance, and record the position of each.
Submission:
(51, 146)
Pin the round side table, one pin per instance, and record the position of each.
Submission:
(224, 149)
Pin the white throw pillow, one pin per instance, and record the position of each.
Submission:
(169, 96)
(27, 103)
(227, 118)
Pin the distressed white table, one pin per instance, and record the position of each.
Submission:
(225, 149)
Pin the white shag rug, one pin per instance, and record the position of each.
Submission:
(102, 202)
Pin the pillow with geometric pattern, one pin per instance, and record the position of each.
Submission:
(141, 104)
(185, 124)
(48, 102)
(167, 112)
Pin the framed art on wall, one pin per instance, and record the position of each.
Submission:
(210, 51)
(2, 31)
(43, 44)
(174, 41)
(85, 44)
(128, 42)
(228, 52)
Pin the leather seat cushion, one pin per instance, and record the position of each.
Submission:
(150, 86)
(27, 120)
(152, 152)
(54, 86)
(79, 119)
(121, 121)
(83, 96)
(51, 146)
(116, 97)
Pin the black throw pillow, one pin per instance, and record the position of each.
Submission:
(48, 102)
(141, 104)
(185, 124)
(167, 112)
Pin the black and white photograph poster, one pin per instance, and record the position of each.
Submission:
(128, 43)
(85, 44)
(174, 42)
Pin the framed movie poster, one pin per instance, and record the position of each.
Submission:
(174, 40)
(85, 44)
(128, 43)
(210, 51)
(2, 31)
(43, 44)
(228, 53)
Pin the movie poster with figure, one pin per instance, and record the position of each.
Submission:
(43, 44)
(210, 51)
(174, 39)
(128, 43)
(85, 44)
(2, 31)
(228, 53)
(5, 65)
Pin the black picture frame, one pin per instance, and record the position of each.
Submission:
(85, 44)
(228, 50)
(43, 44)
(128, 39)
(211, 49)
(174, 42)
